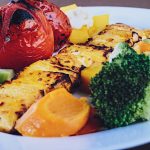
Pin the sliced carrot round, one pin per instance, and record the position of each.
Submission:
(57, 114)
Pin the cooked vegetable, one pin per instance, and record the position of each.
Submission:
(83, 34)
(6, 75)
(30, 31)
(99, 23)
(69, 7)
(56, 114)
(56, 18)
(79, 35)
(121, 91)
(25, 36)
(89, 73)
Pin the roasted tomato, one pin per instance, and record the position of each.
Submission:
(60, 22)
(26, 36)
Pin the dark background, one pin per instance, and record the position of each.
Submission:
(129, 3)
(125, 3)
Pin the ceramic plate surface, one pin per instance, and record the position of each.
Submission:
(119, 138)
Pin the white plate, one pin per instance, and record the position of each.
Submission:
(119, 138)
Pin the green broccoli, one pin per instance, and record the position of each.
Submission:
(121, 91)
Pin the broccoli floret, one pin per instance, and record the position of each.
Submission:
(121, 91)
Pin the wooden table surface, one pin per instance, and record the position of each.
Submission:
(127, 3)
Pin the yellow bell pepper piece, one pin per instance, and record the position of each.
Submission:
(88, 73)
(99, 23)
(82, 35)
(69, 7)
(79, 35)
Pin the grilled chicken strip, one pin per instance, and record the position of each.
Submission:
(85, 55)
(114, 34)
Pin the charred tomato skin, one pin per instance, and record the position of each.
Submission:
(59, 21)
(24, 42)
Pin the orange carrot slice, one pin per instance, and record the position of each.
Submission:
(57, 114)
